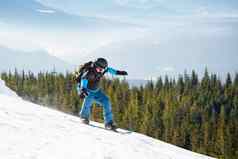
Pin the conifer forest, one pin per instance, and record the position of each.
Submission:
(196, 113)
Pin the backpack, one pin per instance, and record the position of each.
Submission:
(77, 75)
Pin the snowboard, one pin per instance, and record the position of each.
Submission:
(118, 130)
(100, 126)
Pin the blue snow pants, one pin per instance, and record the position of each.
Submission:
(100, 98)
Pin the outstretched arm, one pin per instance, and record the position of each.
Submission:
(116, 72)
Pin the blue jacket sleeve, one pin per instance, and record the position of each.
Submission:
(82, 84)
(112, 71)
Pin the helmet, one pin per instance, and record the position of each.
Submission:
(101, 62)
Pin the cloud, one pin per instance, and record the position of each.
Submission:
(140, 4)
(206, 13)
(155, 43)
(202, 11)
(47, 11)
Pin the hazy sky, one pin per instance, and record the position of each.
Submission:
(134, 8)
(157, 28)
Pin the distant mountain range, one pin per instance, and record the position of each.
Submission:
(189, 48)
(34, 61)
(170, 45)
(30, 24)
(40, 61)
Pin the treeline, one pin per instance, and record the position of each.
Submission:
(198, 115)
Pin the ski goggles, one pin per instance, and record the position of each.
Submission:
(100, 69)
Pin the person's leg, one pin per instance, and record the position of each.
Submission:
(103, 100)
(86, 107)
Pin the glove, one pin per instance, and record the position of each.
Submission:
(83, 93)
(124, 73)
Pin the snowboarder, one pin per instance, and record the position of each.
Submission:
(88, 89)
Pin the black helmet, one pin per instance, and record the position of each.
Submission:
(101, 62)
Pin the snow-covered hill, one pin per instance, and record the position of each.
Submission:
(29, 131)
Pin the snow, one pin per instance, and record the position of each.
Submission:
(30, 131)
(5, 90)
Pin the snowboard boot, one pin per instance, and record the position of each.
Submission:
(85, 120)
(110, 126)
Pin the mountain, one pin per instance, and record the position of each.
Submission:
(34, 61)
(30, 13)
(176, 48)
(28, 24)
(31, 131)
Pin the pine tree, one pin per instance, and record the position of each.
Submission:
(228, 80)
(131, 117)
(159, 85)
(194, 79)
(180, 86)
(236, 80)
(220, 136)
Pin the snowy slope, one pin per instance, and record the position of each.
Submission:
(6, 91)
(29, 131)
